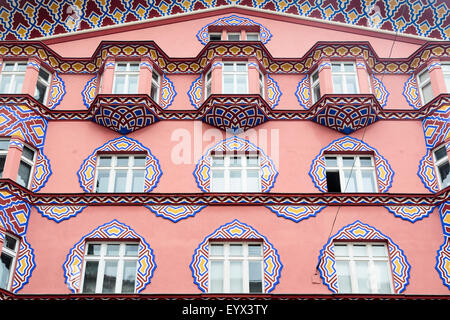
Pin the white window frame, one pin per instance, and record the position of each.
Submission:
(355, 170)
(113, 168)
(243, 168)
(234, 73)
(226, 258)
(208, 82)
(127, 73)
(4, 153)
(314, 84)
(262, 84)
(422, 84)
(446, 73)
(370, 258)
(102, 258)
(14, 74)
(45, 83)
(344, 75)
(13, 254)
(253, 34)
(238, 34)
(156, 83)
(29, 162)
(440, 162)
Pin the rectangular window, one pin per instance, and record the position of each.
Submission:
(345, 79)
(11, 77)
(235, 267)
(126, 78)
(234, 36)
(446, 72)
(424, 83)
(208, 84)
(261, 84)
(350, 173)
(315, 86)
(215, 36)
(252, 36)
(363, 268)
(120, 173)
(235, 173)
(235, 78)
(8, 261)
(156, 84)
(4, 145)
(110, 267)
(442, 166)
(26, 167)
(42, 86)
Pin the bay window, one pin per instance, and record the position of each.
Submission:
(126, 78)
(235, 78)
(344, 78)
(12, 76)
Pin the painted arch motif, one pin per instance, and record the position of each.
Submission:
(241, 231)
(153, 172)
(363, 232)
(202, 172)
(111, 230)
(383, 170)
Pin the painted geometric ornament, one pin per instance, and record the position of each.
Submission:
(234, 20)
(202, 172)
(347, 144)
(238, 231)
(359, 231)
(123, 144)
(110, 231)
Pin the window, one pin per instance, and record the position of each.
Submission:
(235, 78)
(126, 78)
(235, 173)
(215, 36)
(315, 86)
(42, 86)
(362, 268)
(442, 166)
(234, 36)
(110, 267)
(252, 36)
(11, 77)
(446, 71)
(154, 92)
(424, 83)
(4, 145)
(26, 166)
(344, 77)
(208, 84)
(120, 173)
(8, 261)
(235, 267)
(261, 84)
(352, 173)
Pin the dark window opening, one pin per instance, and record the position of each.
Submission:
(333, 181)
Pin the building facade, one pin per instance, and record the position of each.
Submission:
(228, 151)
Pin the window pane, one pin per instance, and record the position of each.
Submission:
(235, 249)
(331, 161)
(218, 181)
(5, 83)
(359, 250)
(228, 84)
(228, 67)
(133, 84)
(28, 153)
(235, 161)
(252, 180)
(349, 67)
(138, 181)
(236, 277)
(343, 277)
(365, 161)
(254, 250)
(349, 181)
(252, 161)
(427, 92)
(110, 277)
(216, 276)
(241, 67)
(9, 66)
(90, 276)
(40, 92)
(2, 164)
(121, 67)
(139, 161)
(348, 161)
(5, 270)
(241, 82)
(218, 161)
(235, 181)
(131, 250)
(368, 181)
(337, 84)
(234, 37)
(213, 37)
(102, 181)
(129, 276)
(440, 153)
(362, 275)
(122, 161)
(351, 85)
(335, 67)
(444, 170)
(104, 162)
(112, 250)
(216, 249)
(24, 174)
(252, 36)
(255, 276)
(379, 251)
(424, 76)
(18, 82)
(154, 93)
(340, 250)
(382, 272)
(44, 75)
(120, 182)
(93, 249)
(134, 66)
(4, 144)
(119, 84)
